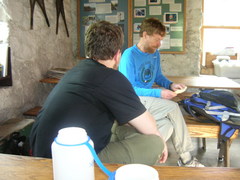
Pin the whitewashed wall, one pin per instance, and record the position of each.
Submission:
(33, 53)
(188, 63)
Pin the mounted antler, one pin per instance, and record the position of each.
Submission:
(60, 9)
(42, 6)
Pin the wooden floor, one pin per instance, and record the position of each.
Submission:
(209, 157)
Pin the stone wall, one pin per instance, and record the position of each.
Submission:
(188, 63)
(33, 53)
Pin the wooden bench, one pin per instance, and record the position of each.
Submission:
(196, 129)
(210, 130)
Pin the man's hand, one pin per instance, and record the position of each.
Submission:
(164, 155)
(176, 87)
(167, 94)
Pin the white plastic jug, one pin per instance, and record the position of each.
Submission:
(72, 159)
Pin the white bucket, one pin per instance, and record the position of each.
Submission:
(136, 172)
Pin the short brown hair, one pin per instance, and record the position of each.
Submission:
(152, 26)
(103, 40)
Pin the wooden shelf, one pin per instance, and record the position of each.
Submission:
(32, 112)
(50, 80)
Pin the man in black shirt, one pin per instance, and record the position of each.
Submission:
(94, 94)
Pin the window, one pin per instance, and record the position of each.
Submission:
(221, 28)
(5, 56)
(4, 31)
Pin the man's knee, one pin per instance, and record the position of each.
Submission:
(154, 144)
(172, 104)
(152, 150)
(144, 149)
(166, 130)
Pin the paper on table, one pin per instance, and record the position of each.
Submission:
(181, 90)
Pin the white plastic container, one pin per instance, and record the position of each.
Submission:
(227, 68)
(72, 160)
(136, 172)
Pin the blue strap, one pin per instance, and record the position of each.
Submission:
(99, 163)
(110, 174)
(199, 100)
(227, 131)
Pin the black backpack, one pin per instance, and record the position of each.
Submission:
(218, 106)
(16, 144)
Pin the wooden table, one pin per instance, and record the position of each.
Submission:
(206, 82)
(202, 81)
(29, 168)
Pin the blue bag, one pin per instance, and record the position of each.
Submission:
(218, 106)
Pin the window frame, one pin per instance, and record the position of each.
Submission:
(203, 61)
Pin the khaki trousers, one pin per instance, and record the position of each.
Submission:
(129, 146)
(170, 122)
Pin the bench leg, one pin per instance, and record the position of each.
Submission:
(227, 154)
(204, 147)
(221, 153)
(224, 153)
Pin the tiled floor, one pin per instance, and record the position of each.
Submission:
(209, 157)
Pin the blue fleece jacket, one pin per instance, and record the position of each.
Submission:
(143, 70)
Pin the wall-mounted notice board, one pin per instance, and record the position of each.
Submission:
(170, 12)
(90, 11)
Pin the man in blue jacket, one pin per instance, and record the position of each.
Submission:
(141, 65)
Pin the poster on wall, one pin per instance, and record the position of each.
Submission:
(171, 13)
(90, 11)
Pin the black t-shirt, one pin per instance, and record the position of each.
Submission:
(90, 96)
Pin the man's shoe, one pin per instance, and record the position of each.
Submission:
(192, 163)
